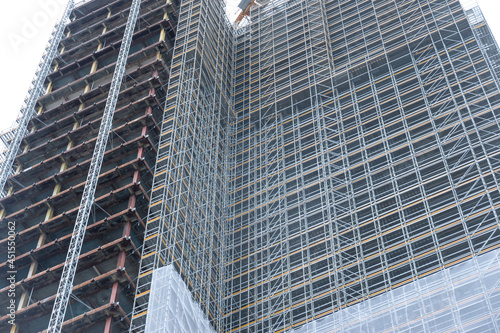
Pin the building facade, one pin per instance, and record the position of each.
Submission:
(356, 160)
(362, 163)
(43, 195)
(328, 165)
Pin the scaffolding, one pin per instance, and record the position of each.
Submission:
(430, 304)
(327, 160)
(88, 196)
(186, 221)
(56, 155)
(385, 177)
(172, 307)
(361, 147)
(484, 36)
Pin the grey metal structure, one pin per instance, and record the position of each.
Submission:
(12, 139)
(388, 170)
(87, 201)
(331, 162)
(358, 154)
(192, 168)
(44, 195)
(328, 165)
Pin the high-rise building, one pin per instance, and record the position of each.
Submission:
(348, 163)
(43, 194)
(326, 165)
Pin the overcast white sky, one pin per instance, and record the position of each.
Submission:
(25, 27)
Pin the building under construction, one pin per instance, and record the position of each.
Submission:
(321, 166)
(43, 195)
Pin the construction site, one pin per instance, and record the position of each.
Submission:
(43, 194)
(364, 147)
(317, 166)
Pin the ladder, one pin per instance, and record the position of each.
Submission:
(75, 246)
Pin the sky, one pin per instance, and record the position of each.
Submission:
(25, 27)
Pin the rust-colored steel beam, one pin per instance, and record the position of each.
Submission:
(244, 13)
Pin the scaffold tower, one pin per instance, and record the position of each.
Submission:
(317, 166)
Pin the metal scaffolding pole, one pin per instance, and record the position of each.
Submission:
(75, 246)
(28, 109)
